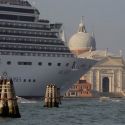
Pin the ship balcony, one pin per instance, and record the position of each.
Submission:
(15, 2)
(33, 48)
(29, 53)
(27, 33)
(24, 25)
(31, 42)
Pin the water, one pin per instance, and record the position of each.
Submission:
(71, 112)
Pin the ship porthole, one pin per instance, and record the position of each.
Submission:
(24, 80)
(58, 64)
(34, 80)
(49, 64)
(29, 80)
(8, 62)
(39, 63)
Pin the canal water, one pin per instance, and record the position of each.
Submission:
(71, 112)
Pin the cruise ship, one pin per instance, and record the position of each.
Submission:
(32, 51)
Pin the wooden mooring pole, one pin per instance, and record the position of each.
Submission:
(8, 101)
(52, 96)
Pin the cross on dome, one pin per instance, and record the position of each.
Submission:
(82, 26)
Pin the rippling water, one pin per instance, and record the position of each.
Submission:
(71, 112)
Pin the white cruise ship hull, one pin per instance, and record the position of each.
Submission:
(31, 80)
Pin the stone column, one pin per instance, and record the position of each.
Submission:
(92, 80)
(110, 83)
(98, 80)
(113, 81)
(120, 80)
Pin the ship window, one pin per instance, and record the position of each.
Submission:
(19, 24)
(58, 55)
(30, 25)
(19, 39)
(49, 64)
(3, 23)
(8, 62)
(50, 34)
(63, 55)
(29, 80)
(45, 34)
(14, 31)
(39, 63)
(4, 38)
(24, 63)
(25, 25)
(58, 64)
(44, 54)
(3, 30)
(34, 80)
(39, 54)
(24, 80)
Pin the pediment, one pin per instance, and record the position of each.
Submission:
(111, 61)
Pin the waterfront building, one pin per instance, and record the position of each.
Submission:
(81, 88)
(107, 70)
(107, 76)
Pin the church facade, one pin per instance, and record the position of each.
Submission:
(108, 76)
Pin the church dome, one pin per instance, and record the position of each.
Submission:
(82, 41)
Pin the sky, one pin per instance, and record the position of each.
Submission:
(106, 18)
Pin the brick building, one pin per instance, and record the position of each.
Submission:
(81, 89)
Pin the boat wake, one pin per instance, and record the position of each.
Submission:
(115, 100)
(23, 100)
(105, 99)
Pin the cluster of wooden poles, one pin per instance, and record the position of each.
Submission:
(52, 96)
(8, 101)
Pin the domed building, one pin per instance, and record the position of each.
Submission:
(106, 72)
(82, 41)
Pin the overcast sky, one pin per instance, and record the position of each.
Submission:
(105, 17)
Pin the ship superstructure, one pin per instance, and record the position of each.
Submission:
(23, 33)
